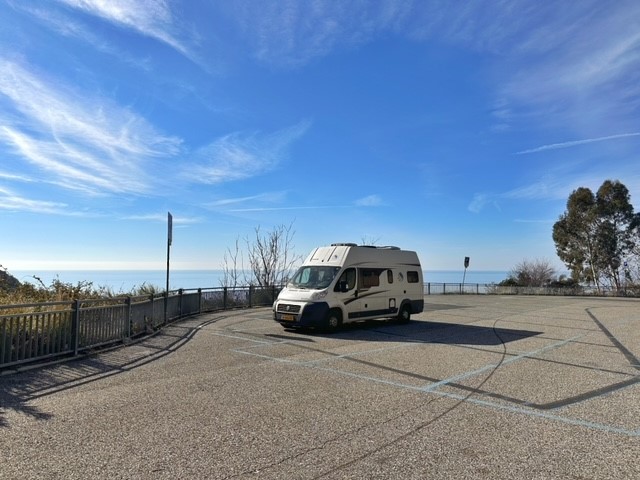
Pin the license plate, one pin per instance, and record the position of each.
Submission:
(287, 318)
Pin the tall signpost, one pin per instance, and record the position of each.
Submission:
(169, 239)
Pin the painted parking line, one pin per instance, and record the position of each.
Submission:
(433, 389)
(463, 376)
(540, 414)
(468, 399)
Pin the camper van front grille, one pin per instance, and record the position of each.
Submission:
(288, 308)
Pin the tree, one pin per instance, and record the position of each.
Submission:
(597, 233)
(269, 255)
(369, 240)
(617, 225)
(232, 266)
(574, 235)
(532, 273)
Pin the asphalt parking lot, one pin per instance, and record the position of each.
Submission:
(496, 387)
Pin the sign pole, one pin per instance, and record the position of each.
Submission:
(169, 240)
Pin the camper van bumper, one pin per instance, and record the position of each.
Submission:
(311, 315)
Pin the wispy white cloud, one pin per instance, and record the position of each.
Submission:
(481, 200)
(13, 202)
(69, 26)
(14, 177)
(575, 143)
(574, 63)
(585, 73)
(239, 156)
(276, 209)
(83, 143)
(369, 201)
(269, 197)
(557, 185)
(291, 33)
(151, 18)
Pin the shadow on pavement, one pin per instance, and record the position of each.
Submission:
(16, 390)
(422, 332)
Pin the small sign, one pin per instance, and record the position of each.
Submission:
(466, 262)
(169, 227)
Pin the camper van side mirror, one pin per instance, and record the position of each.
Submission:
(343, 286)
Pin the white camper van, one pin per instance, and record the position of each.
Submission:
(345, 283)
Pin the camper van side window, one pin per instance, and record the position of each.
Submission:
(413, 277)
(389, 276)
(370, 277)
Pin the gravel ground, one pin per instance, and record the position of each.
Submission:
(496, 387)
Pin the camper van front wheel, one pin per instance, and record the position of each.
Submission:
(334, 320)
(405, 314)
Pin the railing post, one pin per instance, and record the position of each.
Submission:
(444, 288)
(129, 326)
(180, 292)
(224, 299)
(199, 300)
(152, 301)
(166, 305)
(250, 294)
(75, 326)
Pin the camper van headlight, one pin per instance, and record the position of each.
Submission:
(319, 295)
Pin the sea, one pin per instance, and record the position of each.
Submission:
(123, 281)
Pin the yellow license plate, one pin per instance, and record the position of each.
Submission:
(287, 318)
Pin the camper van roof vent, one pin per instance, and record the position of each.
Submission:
(390, 247)
(344, 245)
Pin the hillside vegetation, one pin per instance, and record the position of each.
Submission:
(14, 292)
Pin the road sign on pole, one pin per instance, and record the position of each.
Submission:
(466, 265)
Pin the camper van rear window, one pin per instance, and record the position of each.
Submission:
(413, 277)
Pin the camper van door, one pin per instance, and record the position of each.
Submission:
(347, 293)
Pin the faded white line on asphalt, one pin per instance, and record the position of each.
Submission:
(355, 354)
(434, 386)
(478, 402)
(536, 413)
(482, 403)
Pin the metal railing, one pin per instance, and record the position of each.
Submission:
(40, 331)
(495, 289)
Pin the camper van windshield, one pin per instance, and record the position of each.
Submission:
(314, 277)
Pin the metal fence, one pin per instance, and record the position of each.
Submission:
(495, 289)
(40, 331)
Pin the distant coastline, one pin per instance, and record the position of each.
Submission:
(127, 280)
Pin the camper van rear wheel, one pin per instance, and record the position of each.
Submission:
(334, 320)
(405, 314)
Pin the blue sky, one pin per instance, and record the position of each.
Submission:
(451, 128)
